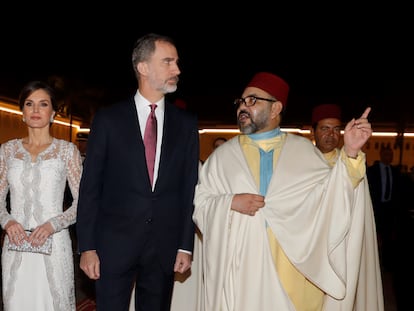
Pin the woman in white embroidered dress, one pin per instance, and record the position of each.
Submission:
(35, 170)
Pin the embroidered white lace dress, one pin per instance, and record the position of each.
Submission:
(36, 281)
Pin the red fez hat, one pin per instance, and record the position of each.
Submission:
(326, 111)
(272, 84)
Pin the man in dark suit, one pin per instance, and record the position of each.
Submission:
(131, 232)
(385, 185)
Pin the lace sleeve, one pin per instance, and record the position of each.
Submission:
(4, 189)
(74, 172)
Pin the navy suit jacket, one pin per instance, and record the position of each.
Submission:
(117, 209)
(375, 183)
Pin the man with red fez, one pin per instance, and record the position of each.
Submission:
(282, 229)
(326, 130)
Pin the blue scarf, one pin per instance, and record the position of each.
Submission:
(266, 158)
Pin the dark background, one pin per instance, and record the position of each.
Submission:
(354, 55)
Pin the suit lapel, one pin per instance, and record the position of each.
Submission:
(133, 139)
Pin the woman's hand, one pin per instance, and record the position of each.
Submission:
(15, 232)
(40, 234)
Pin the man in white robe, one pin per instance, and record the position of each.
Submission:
(282, 230)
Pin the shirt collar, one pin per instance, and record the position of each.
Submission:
(142, 102)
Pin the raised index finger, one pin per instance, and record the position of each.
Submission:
(365, 114)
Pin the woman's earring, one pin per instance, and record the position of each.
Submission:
(24, 119)
(51, 119)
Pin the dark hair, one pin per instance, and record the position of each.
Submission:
(144, 47)
(33, 86)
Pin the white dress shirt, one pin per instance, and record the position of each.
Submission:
(143, 109)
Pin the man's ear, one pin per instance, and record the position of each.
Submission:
(142, 68)
(277, 108)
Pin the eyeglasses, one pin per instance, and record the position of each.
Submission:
(251, 100)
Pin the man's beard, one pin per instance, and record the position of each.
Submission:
(248, 129)
(255, 125)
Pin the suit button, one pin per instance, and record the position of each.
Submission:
(148, 221)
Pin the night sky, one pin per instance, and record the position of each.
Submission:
(353, 56)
